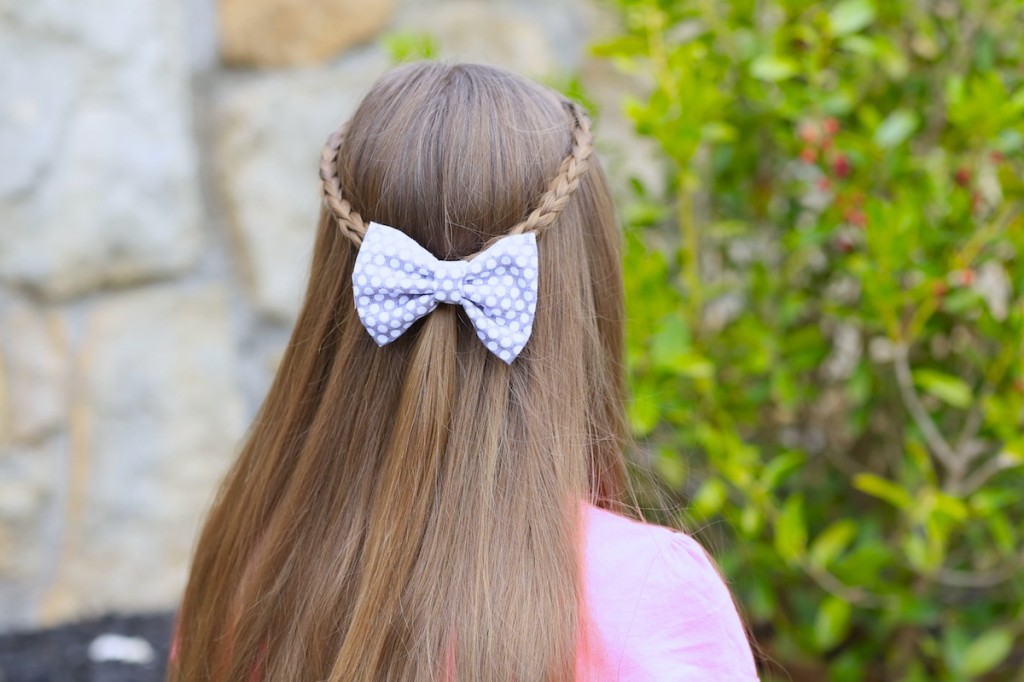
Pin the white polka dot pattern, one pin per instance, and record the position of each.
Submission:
(396, 281)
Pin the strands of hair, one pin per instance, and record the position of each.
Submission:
(543, 216)
(413, 512)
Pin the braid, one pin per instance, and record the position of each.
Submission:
(349, 221)
(566, 180)
(551, 203)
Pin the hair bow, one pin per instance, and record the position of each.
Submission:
(396, 281)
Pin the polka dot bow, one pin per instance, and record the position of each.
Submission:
(396, 281)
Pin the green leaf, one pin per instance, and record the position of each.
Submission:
(832, 622)
(671, 339)
(670, 350)
(883, 489)
(693, 365)
(1013, 453)
(961, 301)
(853, 666)
(672, 467)
(850, 16)
(1003, 533)
(791, 530)
(953, 647)
(946, 387)
(643, 213)
(832, 542)
(953, 90)
(859, 45)
(718, 131)
(864, 564)
(620, 46)
(750, 521)
(892, 59)
(709, 498)
(896, 128)
(986, 652)
(404, 46)
(761, 600)
(1010, 141)
(780, 467)
(915, 548)
(954, 508)
(987, 501)
(770, 67)
(644, 413)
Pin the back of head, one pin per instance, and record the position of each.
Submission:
(411, 512)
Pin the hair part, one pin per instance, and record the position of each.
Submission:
(413, 512)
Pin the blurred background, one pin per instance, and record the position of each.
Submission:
(824, 217)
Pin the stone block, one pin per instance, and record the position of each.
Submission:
(289, 33)
(154, 427)
(30, 496)
(33, 352)
(270, 130)
(97, 110)
(495, 33)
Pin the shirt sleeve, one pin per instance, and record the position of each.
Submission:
(657, 608)
(703, 636)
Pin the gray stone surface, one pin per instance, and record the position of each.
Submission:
(33, 412)
(273, 33)
(157, 424)
(97, 106)
(475, 32)
(33, 350)
(504, 31)
(201, 33)
(30, 494)
(271, 129)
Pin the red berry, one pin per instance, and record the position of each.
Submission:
(966, 277)
(841, 166)
(809, 133)
(962, 176)
(808, 154)
(831, 125)
(940, 288)
(844, 244)
(823, 184)
(976, 200)
(855, 217)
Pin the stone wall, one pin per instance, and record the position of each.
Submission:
(158, 195)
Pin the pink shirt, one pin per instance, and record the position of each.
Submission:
(658, 609)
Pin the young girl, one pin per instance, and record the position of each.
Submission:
(432, 489)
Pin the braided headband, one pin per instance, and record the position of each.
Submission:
(396, 281)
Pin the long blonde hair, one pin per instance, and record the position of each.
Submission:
(412, 512)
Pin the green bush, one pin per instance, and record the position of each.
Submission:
(827, 319)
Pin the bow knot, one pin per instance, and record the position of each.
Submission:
(396, 281)
(450, 274)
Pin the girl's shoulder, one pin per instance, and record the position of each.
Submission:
(659, 608)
